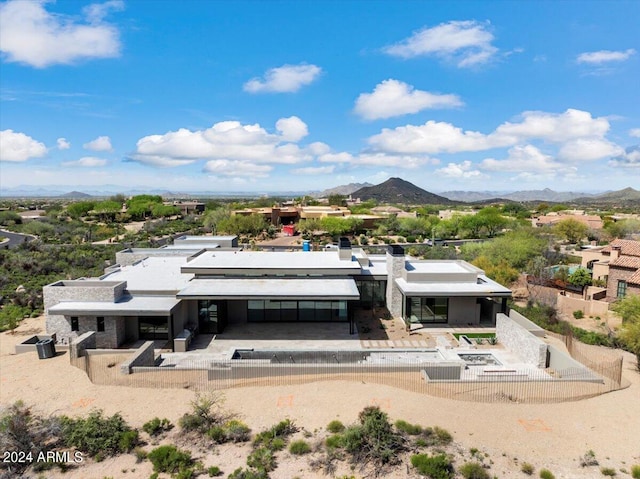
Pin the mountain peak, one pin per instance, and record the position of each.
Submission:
(397, 190)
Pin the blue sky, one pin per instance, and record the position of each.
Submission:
(269, 96)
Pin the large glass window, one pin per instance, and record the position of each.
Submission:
(100, 323)
(426, 310)
(212, 316)
(372, 292)
(74, 324)
(274, 310)
(622, 288)
(153, 327)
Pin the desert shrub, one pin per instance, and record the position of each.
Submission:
(635, 471)
(275, 437)
(140, 454)
(248, 474)
(589, 459)
(434, 467)
(335, 426)
(170, 459)
(527, 468)
(97, 435)
(333, 442)
(217, 434)
(21, 430)
(214, 471)
(262, 459)
(411, 429)
(206, 412)
(435, 436)
(578, 314)
(157, 426)
(237, 431)
(608, 471)
(299, 447)
(128, 440)
(546, 474)
(473, 470)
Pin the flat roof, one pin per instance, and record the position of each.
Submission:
(311, 262)
(438, 266)
(483, 287)
(271, 288)
(126, 306)
(153, 274)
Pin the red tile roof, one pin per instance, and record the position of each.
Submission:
(627, 247)
(626, 262)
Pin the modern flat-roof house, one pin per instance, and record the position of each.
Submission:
(203, 283)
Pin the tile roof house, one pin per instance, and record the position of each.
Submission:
(624, 268)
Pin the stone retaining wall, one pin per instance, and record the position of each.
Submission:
(516, 338)
(144, 356)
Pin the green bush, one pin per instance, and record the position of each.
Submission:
(214, 471)
(157, 426)
(218, 434)
(206, 413)
(434, 467)
(635, 471)
(262, 459)
(249, 474)
(474, 470)
(546, 474)
(237, 431)
(299, 447)
(334, 442)
(411, 429)
(608, 471)
(275, 437)
(98, 435)
(170, 459)
(527, 468)
(578, 314)
(335, 426)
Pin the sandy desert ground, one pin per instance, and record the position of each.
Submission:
(545, 435)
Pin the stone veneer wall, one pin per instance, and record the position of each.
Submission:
(616, 274)
(80, 344)
(78, 290)
(144, 356)
(395, 266)
(529, 348)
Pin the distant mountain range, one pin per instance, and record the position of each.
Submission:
(627, 195)
(526, 195)
(342, 190)
(397, 190)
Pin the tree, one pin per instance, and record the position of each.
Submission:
(580, 277)
(571, 229)
(491, 220)
(214, 217)
(337, 200)
(81, 208)
(629, 334)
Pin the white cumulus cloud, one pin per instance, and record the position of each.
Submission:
(394, 98)
(284, 79)
(224, 167)
(630, 158)
(292, 128)
(460, 170)
(31, 35)
(63, 144)
(228, 141)
(525, 158)
(86, 162)
(605, 56)
(634, 132)
(102, 143)
(18, 147)
(588, 149)
(466, 43)
(314, 170)
(554, 127)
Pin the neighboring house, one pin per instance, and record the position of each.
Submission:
(593, 222)
(203, 283)
(624, 268)
(188, 207)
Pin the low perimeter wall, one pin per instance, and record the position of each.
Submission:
(568, 305)
(516, 338)
(80, 344)
(144, 356)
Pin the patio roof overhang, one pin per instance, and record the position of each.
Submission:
(485, 287)
(127, 306)
(272, 288)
